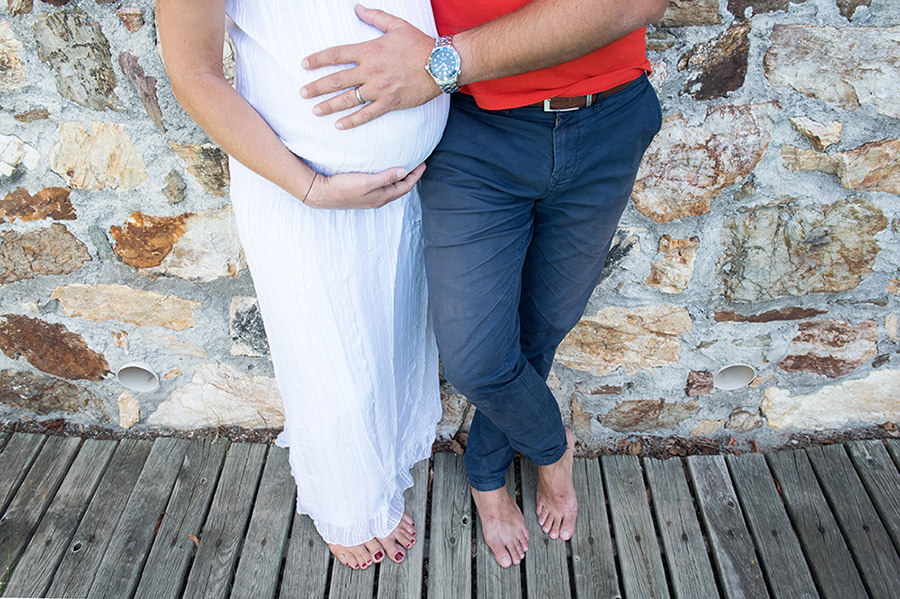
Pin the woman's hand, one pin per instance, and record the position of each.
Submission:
(347, 191)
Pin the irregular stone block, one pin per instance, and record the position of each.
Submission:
(849, 66)
(893, 286)
(218, 395)
(131, 18)
(455, 409)
(145, 240)
(208, 164)
(860, 402)
(640, 338)
(848, 7)
(44, 394)
(209, 248)
(874, 166)
(659, 41)
(144, 86)
(51, 348)
(625, 242)
(248, 334)
(73, 45)
(117, 302)
(20, 7)
(706, 428)
(691, 12)
(686, 167)
(29, 116)
(198, 247)
(673, 273)
(647, 415)
(49, 251)
(785, 248)
(719, 66)
(129, 410)
(587, 389)
(742, 421)
(13, 152)
(12, 69)
(739, 7)
(792, 313)
(699, 382)
(831, 347)
(50, 202)
(819, 135)
(103, 156)
(174, 189)
(892, 325)
(581, 421)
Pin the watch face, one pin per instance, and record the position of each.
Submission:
(444, 64)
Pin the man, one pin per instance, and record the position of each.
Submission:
(520, 202)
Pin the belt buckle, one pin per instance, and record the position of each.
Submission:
(548, 109)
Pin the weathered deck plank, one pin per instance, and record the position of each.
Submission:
(893, 447)
(777, 543)
(33, 497)
(3, 438)
(639, 559)
(593, 560)
(870, 543)
(823, 544)
(449, 555)
(15, 461)
(546, 566)
(120, 568)
(882, 481)
(220, 539)
(260, 563)
(492, 580)
(351, 584)
(733, 550)
(170, 556)
(75, 573)
(404, 580)
(34, 571)
(307, 561)
(690, 571)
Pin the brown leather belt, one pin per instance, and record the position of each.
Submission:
(574, 103)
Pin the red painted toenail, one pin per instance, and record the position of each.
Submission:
(399, 556)
(379, 555)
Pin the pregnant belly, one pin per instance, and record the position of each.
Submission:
(400, 138)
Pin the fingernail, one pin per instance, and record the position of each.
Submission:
(317, 110)
(379, 555)
(339, 125)
(304, 93)
(304, 63)
(400, 173)
(399, 556)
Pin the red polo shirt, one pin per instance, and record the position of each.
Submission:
(623, 60)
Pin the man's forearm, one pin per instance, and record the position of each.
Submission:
(544, 33)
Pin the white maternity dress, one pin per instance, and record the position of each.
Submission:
(342, 292)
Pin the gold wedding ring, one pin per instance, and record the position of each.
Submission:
(359, 96)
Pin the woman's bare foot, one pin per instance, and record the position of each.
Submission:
(399, 541)
(557, 506)
(375, 550)
(503, 525)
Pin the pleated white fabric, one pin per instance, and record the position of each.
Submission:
(342, 293)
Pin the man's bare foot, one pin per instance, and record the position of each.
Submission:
(503, 525)
(557, 506)
(375, 550)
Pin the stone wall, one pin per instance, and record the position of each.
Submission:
(764, 230)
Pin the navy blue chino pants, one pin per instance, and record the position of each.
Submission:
(518, 210)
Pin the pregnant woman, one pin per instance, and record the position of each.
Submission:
(330, 224)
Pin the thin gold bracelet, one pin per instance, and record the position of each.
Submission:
(308, 189)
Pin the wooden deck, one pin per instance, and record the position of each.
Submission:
(204, 518)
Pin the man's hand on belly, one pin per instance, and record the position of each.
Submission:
(389, 73)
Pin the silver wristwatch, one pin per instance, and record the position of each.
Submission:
(443, 64)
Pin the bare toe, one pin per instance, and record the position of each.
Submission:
(375, 550)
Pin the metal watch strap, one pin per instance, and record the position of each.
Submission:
(451, 86)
